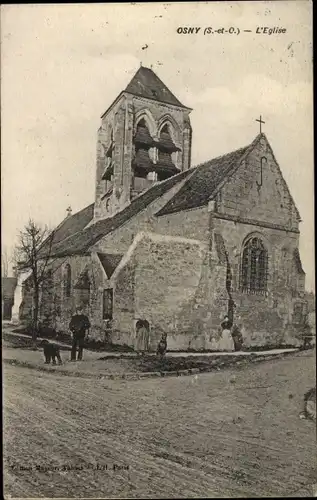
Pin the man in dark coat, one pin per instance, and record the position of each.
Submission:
(237, 338)
(78, 326)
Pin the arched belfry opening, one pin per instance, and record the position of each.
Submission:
(166, 148)
(143, 165)
(109, 163)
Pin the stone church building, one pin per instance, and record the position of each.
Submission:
(174, 245)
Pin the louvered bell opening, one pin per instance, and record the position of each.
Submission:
(142, 163)
(108, 173)
(166, 143)
(165, 159)
(142, 137)
(165, 167)
(165, 172)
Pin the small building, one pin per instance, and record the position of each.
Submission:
(8, 286)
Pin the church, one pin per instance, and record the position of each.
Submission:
(172, 246)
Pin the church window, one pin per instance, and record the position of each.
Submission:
(298, 314)
(67, 282)
(254, 267)
(263, 162)
(107, 303)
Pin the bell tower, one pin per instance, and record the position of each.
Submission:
(145, 137)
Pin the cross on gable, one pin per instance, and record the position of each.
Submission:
(260, 122)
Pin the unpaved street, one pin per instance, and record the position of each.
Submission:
(229, 433)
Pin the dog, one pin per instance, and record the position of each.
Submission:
(162, 346)
(51, 352)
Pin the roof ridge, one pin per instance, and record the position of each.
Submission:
(59, 226)
(217, 171)
(230, 152)
(107, 225)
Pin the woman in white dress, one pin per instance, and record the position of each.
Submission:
(142, 336)
(226, 341)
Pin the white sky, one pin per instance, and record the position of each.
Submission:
(63, 65)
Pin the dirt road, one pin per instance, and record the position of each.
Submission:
(226, 434)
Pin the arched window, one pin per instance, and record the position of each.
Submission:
(254, 267)
(67, 282)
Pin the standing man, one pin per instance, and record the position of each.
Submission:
(78, 326)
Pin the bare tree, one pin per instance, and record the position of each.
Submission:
(5, 262)
(33, 253)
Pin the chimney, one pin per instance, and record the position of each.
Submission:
(69, 211)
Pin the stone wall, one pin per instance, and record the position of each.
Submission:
(110, 124)
(264, 319)
(157, 283)
(124, 313)
(195, 224)
(248, 195)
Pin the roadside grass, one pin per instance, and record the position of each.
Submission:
(21, 352)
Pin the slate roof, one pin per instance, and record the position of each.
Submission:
(8, 286)
(201, 186)
(83, 239)
(207, 177)
(68, 227)
(146, 83)
(109, 262)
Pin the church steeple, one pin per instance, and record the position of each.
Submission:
(146, 83)
(145, 137)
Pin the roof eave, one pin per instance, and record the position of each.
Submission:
(113, 104)
(182, 106)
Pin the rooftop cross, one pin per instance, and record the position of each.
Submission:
(260, 122)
